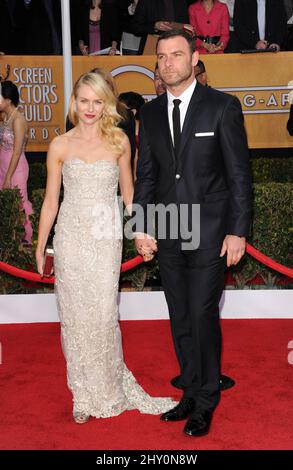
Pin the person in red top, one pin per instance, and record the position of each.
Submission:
(210, 20)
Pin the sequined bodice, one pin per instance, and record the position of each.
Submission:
(7, 138)
(90, 198)
(85, 184)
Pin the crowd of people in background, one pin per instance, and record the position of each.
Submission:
(33, 27)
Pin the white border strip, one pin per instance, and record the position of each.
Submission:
(256, 88)
(267, 111)
(30, 308)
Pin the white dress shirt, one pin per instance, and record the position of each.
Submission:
(230, 5)
(261, 18)
(185, 100)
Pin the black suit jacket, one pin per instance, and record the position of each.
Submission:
(34, 27)
(246, 25)
(148, 12)
(214, 169)
(8, 42)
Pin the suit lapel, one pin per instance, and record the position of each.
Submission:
(190, 120)
(164, 127)
(189, 124)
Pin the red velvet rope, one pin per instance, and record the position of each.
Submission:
(35, 277)
(132, 263)
(270, 263)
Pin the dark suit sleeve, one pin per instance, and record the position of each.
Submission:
(290, 121)
(110, 28)
(141, 23)
(246, 33)
(237, 168)
(146, 177)
(277, 28)
(79, 18)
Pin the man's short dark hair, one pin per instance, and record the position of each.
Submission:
(173, 33)
(201, 66)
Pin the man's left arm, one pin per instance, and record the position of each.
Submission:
(279, 25)
(237, 169)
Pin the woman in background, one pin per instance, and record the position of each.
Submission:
(14, 169)
(210, 20)
(95, 26)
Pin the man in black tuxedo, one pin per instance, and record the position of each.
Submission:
(193, 150)
(200, 74)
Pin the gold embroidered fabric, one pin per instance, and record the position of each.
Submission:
(87, 258)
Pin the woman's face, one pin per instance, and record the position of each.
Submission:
(96, 3)
(3, 103)
(89, 106)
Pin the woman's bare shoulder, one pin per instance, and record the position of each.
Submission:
(19, 120)
(59, 142)
(58, 147)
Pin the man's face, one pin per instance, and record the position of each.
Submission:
(175, 61)
(158, 83)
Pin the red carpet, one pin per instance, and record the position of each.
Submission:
(256, 414)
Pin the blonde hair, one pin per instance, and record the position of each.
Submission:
(106, 75)
(110, 117)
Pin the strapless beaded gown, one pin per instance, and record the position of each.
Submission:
(87, 247)
(19, 177)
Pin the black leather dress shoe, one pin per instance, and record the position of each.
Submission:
(176, 382)
(225, 382)
(198, 424)
(184, 408)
